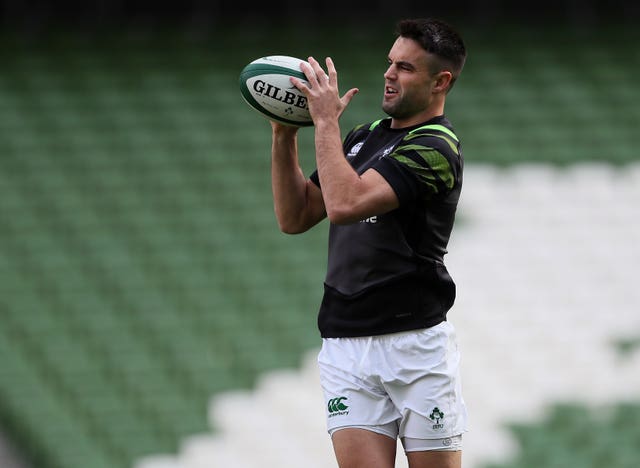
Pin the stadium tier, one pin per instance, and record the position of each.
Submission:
(142, 273)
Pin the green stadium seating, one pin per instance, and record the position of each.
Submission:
(576, 436)
(141, 269)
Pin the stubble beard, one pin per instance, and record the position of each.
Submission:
(396, 109)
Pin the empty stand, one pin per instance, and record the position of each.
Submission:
(142, 272)
(540, 314)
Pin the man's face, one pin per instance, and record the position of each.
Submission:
(408, 80)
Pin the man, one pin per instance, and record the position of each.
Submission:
(389, 360)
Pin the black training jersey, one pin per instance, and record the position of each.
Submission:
(386, 273)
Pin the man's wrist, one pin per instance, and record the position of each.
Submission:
(284, 131)
(327, 125)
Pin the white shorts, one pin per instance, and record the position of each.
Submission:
(403, 385)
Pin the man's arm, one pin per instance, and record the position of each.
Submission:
(297, 201)
(348, 196)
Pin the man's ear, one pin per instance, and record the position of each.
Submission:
(443, 81)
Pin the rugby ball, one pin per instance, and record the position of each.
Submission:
(265, 86)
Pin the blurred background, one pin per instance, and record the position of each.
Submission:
(152, 315)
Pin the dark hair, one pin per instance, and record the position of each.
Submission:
(438, 38)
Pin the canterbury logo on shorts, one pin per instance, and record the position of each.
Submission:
(337, 407)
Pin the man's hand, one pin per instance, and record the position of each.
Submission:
(282, 129)
(322, 91)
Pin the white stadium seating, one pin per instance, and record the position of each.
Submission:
(546, 260)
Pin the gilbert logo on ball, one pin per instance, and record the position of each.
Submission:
(265, 86)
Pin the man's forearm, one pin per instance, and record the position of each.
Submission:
(338, 179)
(288, 183)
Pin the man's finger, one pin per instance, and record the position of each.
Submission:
(301, 85)
(348, 96)
(320, 74)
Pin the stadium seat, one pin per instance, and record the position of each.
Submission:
(143, 277)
